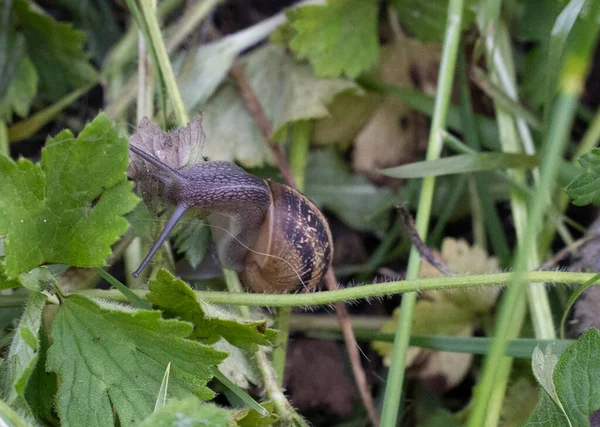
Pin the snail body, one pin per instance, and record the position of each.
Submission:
(272, 234)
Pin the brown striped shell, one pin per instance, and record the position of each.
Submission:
(294, 247)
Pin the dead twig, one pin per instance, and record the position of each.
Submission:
(257, 112)
(425, 251)
(566, 251)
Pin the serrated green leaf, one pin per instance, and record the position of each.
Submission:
(110, 357)
(176, 298)
(351, 197)
(21, 91)
(337, 38)
(68, 209)
(23, 355)
(585, 188)
(288, 91)
(575, 380)
(56, 50)
(189, 412)
(463, 163)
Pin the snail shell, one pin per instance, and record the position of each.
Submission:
(297, 239)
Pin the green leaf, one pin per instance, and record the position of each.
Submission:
(585, 188)
(38, 279)
(542, 364)
(211, 62)
(176, 298)
(189, 412)
(12, 47)
(337, 38)
(99, 21)
(21, 91)
(288, 91)
(463, 163)
(251, 418)
(68, 209)
(193, 239)
(571, 386)
(5, 282)
(23, 354)
(238, 367)
(56, 50)
(351, 197)
(109, 357)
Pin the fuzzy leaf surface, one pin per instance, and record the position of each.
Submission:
(176, 298)
(585, 188)
(23, 354)
(338, 38)
(68, 209)
(189, 412)
(56, 50)
(576, 382)
(109, 356)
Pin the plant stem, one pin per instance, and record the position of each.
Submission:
(163, 62)
(346, 294)
(395, 377)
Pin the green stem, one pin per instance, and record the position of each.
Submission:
(163, 62)
(393, 391)
(347, 294)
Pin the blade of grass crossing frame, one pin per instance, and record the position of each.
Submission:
(395, 379)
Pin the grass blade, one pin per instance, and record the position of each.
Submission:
(161, 400)
(464, 163)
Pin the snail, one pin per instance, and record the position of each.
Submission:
(272, 234)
